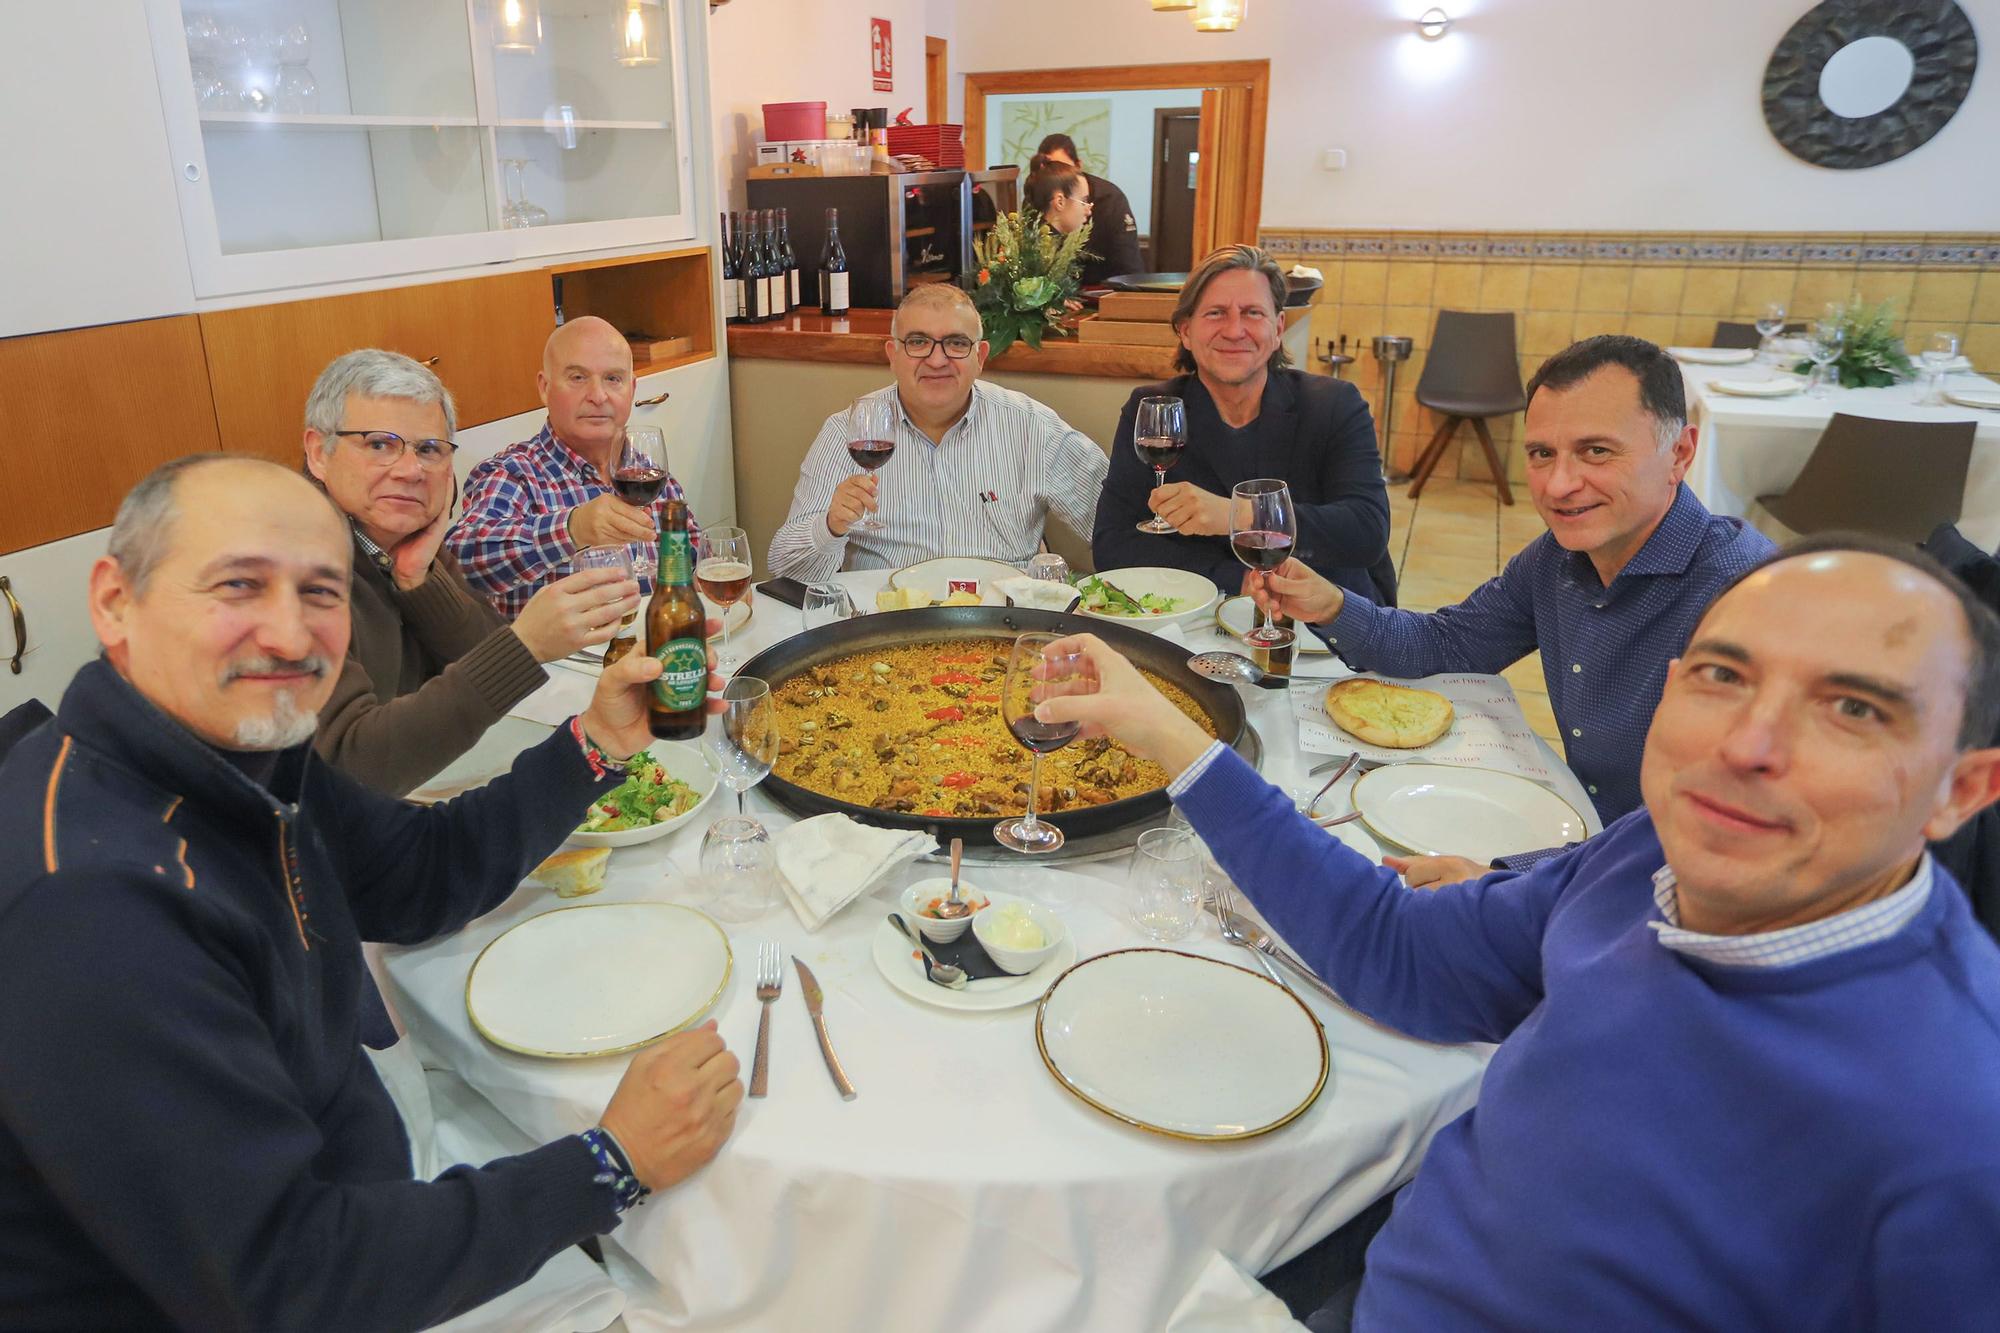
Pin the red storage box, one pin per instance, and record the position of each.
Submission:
(942, 144)
(794, 120)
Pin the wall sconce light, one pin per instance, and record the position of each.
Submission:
(642, 33)
(1433, 24)
(1172, 6)
(519, 26)
(1219, 15)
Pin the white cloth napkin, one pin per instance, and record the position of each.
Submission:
(1225, 1299)
(827, 861)
(1038, 594)
(1306, 271)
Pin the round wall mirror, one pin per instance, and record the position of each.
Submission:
(1867, 76)
(1855, 83)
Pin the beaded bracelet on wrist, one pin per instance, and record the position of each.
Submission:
(613, 1168)
(601, 764)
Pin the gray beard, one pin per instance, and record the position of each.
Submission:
(284, 727)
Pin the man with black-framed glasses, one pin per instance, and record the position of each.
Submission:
(977, 469)
(430, 665)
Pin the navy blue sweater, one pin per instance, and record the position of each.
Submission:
(190, 1134)
(1660, 1142)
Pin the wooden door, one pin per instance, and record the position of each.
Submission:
(483, 337)
(1176, 143)
(937, 100)
(87, 412)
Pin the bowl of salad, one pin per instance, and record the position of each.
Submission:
(1145, 595)
(663, 786)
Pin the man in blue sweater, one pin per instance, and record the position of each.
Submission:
(1749, 1062)
(190, 1134)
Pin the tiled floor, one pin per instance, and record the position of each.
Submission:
(1451, 540)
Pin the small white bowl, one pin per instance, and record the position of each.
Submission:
(919, 895)
(1020, 961)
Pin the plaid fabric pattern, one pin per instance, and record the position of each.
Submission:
(514, 535)
(1794, 944)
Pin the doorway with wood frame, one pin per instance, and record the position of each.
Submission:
(1176, 163)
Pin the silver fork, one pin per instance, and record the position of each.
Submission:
(1225, 917)
(770, 980)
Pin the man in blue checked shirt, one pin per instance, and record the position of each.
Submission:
(1608, 594)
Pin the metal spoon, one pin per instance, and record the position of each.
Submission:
(1236, 669)
(948, 975)
(954, 907)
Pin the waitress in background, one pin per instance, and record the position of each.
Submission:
(1114, 233)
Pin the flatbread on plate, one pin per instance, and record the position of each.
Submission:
(1396, 717)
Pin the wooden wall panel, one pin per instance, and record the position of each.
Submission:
(87, 412)
(485, 333)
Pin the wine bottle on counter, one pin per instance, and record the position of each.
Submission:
(732, 277)
(791, 259)
(767, 266)
(755, 290)
(833, 269)
(781, 304)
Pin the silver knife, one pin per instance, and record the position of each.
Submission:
(1262, 942)
(815, 998)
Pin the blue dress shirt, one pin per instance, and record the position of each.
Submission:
(1604, 650)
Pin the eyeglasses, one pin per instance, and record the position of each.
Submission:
(385, 448)
(957, 346)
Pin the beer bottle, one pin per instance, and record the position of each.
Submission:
(676, 631)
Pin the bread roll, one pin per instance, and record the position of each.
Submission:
(1395, 717)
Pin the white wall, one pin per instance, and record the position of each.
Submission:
(1129, 164)
(1575, 114)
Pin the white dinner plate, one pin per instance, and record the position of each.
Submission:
(1237, 616)
(682, 761)
(895, 957)
(1781, 387)
(736, 617)
(1986, 399)
(1181, 1045)
(597, 979)
(1197, 593)
(1440, 810)
(935, 577)
(1714, 356)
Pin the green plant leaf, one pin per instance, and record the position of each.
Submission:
(1031, 333)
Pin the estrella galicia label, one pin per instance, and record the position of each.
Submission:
(683, 679)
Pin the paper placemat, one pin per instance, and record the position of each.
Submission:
(1488, 729)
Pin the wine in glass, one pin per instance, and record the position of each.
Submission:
(871, 441)
(1823, 346)
(1940, 350)
(1035, 674)
(722, 572)
(1159, 434)
(641, 473)
(1263, 525)
(1770, 323)
(742, 741)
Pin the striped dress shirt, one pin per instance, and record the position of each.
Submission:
(986, 489)
(1794, 944)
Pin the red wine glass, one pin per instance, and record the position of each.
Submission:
(1159, 435)
(1035, 674)
(1263, 525)
(871, 441)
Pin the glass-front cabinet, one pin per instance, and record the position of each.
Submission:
(321, 141)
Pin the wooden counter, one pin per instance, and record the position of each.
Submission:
(857, 341)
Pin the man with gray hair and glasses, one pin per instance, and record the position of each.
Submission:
(431, 664)
(976, 469)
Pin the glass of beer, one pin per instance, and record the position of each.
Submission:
(626, 560)
(722, 572)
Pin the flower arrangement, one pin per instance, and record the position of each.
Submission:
(1026, 277)
(1872, 354)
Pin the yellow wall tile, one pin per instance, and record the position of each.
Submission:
(1709, 291)
(1946, 296)
(1554, 286)
(1505, 287)
(1605, 288)
(1546, 332)
(1361, 323)
(1653, 328)
(1590, 323)
(1982, 346)
(1878, 285)
(1410, 282)
(1656, 291)
(1818, 288)
(1363, 282)
(1986, 301)
(1456, 286)
(1694, 331)
(1756, 286)
(1414, 321)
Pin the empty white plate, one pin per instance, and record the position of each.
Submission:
(597, 979)
(1987, 399)
(934, 578)
(1237, 616)
(1196, 593)
(1181, 1045)
(1783, 387)
(1714, 356)
(1440, 810)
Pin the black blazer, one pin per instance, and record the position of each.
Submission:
(1114, 235)
(1973, 853)
(1313, 431)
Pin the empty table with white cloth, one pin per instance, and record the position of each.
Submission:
(963, 1187)
(1756, 446)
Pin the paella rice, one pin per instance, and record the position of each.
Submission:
(916, 729)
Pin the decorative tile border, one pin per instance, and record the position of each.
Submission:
(1820, 251)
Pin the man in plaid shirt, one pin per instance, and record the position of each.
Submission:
(531, 507)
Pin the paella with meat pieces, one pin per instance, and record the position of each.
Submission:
(917, 730)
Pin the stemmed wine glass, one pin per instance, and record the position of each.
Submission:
(642, 465)
(1770, 324)
(1159, 434)
(722, 571)
(1263, 524)
(1939, 352)
(518, 210)
(1035, 674)
(742, 741)
(825, 604)
(1823, 347)
(871, 440)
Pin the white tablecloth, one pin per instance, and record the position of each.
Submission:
(1756, 446)
(1042, 1214)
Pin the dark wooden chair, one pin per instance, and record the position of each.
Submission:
(1897, 479)
(1470, 373)
(1738, 336)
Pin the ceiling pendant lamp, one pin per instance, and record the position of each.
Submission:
(642, 33)
(1172, 6)
(1219, 15)
(518, 26)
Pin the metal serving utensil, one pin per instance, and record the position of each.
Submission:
(954, 907)
(1236, 669)
(949, 975)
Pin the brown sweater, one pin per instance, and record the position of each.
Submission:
(427, 672)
